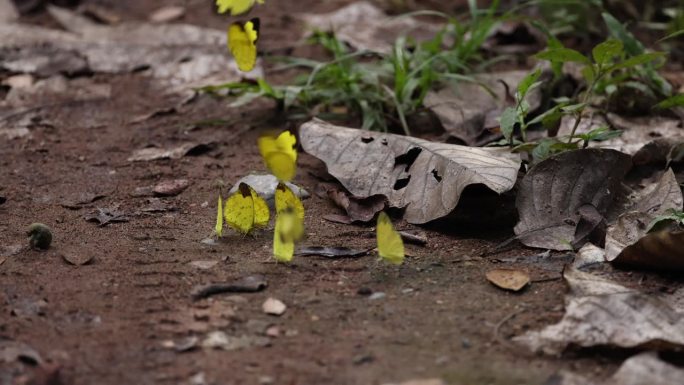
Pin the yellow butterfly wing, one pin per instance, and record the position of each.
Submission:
(287, 226)
(236, 7)
(287, 200)
(279, 154)
(239, 210)
(219, 218)
(242, 40)
(261, 211)
(390, 245)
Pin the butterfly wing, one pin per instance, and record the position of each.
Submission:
(286, 200)
(236, 7)
(239, 210)
(286, 227)
(279, 154)
(390, 245)
(261, 211)
(242, 40)
(219, 218)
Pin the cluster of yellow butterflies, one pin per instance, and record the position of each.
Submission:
(245, 211)
(242, 36)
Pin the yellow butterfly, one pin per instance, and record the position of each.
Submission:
(288, 228)
(219, 217)
(245, 210)
(236, 7)
(280, 154)
(390, 245)
(286, 200)
(242, 39)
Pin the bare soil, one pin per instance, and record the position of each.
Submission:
(108, 322)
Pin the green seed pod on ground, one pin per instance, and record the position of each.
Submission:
(40, 236)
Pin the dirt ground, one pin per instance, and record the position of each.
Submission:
(110, 321)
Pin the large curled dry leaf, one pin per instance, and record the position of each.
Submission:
(600, 312)
(642, 369)
(426, 178)
(554, 190)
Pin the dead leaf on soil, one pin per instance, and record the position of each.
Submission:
(508, 279)
(470, 112)
(155, 153)
(8, 13)
(552, 192)
(167, 14)
(11, 351)
(661, 151)
(249, 284)
(78, 256)
(79, 200)
(627, 241)
(642, 369)
(171, 188)
(330, 252)
(182, 345)
(105, 216)
(357, 209)
(366, 27)
(426, 178)
(180, 56)
(639, 131)
(600, 313)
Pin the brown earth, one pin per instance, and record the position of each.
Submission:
(107, 322)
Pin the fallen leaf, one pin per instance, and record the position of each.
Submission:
(633, 225)
(415, 237)
(603, 313)
(273, 306)
(470, 112)
(642, 369)
(336, 218)
(366, 27)
(249, 284)
(99, 13)
(508, 279)
(156, 205)
(660, 151)
(154, 153)
(167, 14)
(182, 345)
(203, 265)
(357, 209)
(11, 351)
(661, 250)
(78, 257)
(330, 252)
(81, 199)
(170, 188)
(553, 190)
(8, 13)
(639, 131)
(425, 178)
(105, 216)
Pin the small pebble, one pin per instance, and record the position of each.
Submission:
(377, 295)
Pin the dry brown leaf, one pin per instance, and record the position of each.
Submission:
(426, 178)
(642, 369)
(470, 112)
(366, 27)
(661, 250)
(508, 279)
(554, 190)
(600, 312)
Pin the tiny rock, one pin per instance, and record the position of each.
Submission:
(167, 14)
(273, 306)
(171, 187)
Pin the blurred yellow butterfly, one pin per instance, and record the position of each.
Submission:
(236, 7)
(280, 154)
(286, 200)
(219, 217)
(242, 39)
(390, 245)
(245, 210)
(288, 228)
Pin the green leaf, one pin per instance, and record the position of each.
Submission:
(588, 74)
(527, 82)
(638, 60)
(563, 55)
(633, 47)
(673, 101)
(606, 51)
(573, 107)
(507, 121)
